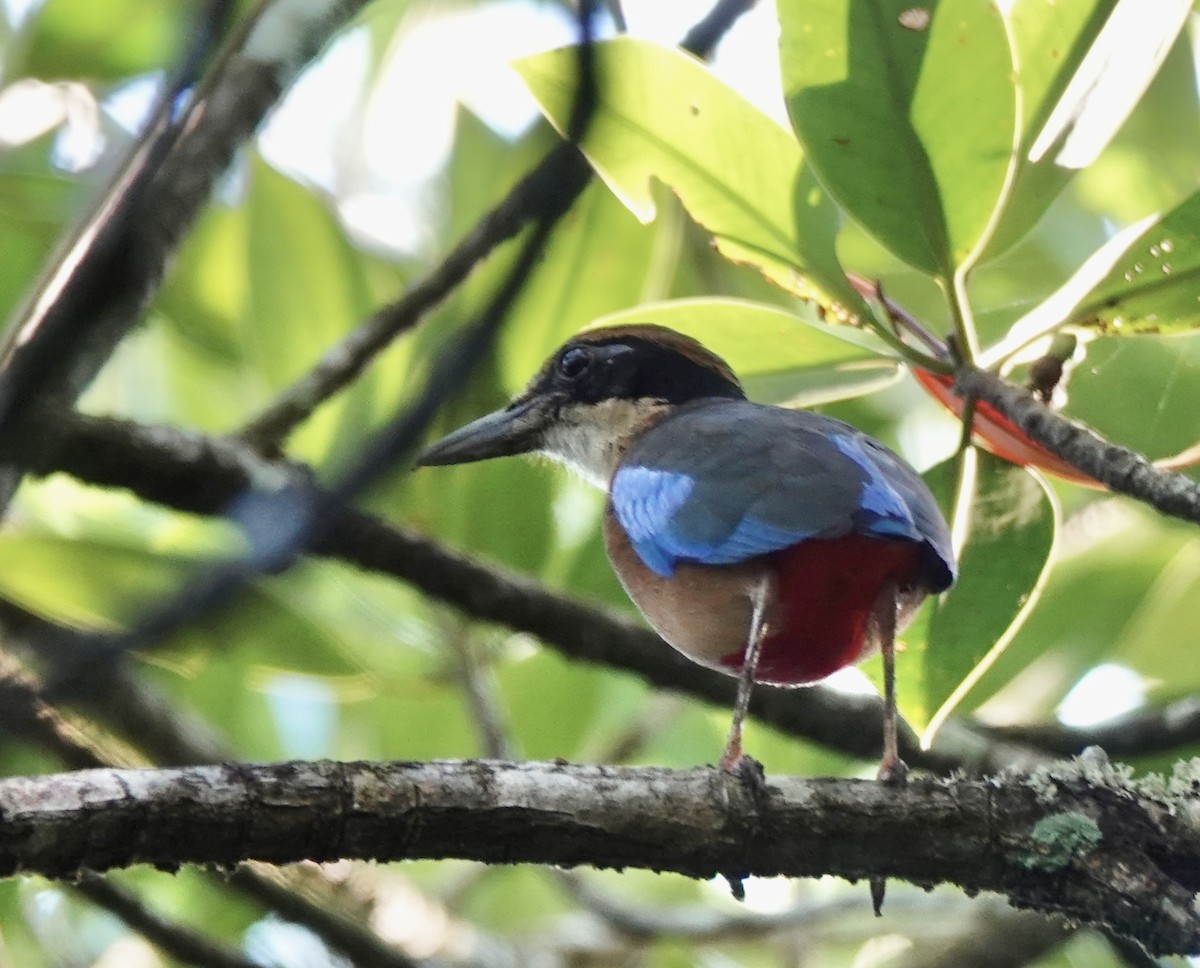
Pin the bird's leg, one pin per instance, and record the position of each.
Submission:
(762, 597)
(892, 769)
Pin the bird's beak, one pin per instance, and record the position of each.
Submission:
(517, 429)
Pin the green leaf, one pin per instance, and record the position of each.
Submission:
(1010, 520)
(1140, 393)
(911, 130)
(1161, 626)
(105, 39)
(204, 295)
(1049, 42)
(86, 583)
(1126, 54)
(1151, 286)
(500, 509)
(33, 207)
(661, 114)
(780, 357)
(307, 288)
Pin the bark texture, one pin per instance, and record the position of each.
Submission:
(1079, 840)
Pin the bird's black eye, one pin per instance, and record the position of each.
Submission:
(574, 361)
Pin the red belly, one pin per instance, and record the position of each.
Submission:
(827, 588)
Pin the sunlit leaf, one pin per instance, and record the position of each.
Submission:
(1154, 161)
(1049, 42)
(1141, 281)
(911, 130)
(780, 357)
(1111, 78)
(204, 295)
(1152, 287)
(91, 584)
(307, 289)
(661, 114)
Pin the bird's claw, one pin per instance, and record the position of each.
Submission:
(893, 772)
(747, 771)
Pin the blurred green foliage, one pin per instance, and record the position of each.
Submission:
(962, 230)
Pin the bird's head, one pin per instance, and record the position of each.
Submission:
(593, 396)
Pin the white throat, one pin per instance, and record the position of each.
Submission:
(591, 439)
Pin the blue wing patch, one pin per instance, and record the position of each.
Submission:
(720, 482)
(644, 501)
(890, 512)
(664, 527)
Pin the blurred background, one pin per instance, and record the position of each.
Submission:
(407, 128)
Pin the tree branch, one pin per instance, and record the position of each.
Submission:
(1117, 468)
(319, 907)
(1079, 840)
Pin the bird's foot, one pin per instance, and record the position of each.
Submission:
(893, 771)
(747, 771)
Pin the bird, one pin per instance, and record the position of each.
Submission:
(772, 544)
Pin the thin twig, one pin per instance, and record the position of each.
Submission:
(479, 687)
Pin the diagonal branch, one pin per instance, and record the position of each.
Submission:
(1117, 468)
(1079, 840)
(1141, 732)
